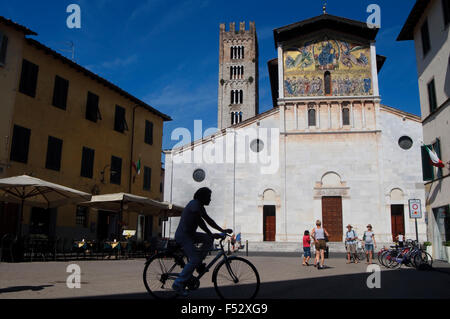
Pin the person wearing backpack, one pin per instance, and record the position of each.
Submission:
(350, 244)
(369, 241)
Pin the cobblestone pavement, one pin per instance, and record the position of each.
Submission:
(282, 276)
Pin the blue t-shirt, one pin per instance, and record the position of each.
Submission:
(190, 217)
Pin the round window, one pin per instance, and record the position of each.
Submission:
(257, 145)
(405, 142)
(198, 175)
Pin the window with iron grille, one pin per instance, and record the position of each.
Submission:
(81, 218)
(28, 78)
(54, 150)
(20, 144)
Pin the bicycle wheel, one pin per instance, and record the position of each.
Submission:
(160, 271)
(422, 257)
(361, 254)
(380, 256)
(390, 260)
(383, 257)
(236, 278)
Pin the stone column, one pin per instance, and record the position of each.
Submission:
(329, 116)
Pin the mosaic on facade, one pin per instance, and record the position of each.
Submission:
(348, 65)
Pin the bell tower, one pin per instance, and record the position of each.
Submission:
(238, 74)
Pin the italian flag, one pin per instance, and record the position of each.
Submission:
(434, 159)
(137, 166)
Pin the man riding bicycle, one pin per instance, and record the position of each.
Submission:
(194, 215)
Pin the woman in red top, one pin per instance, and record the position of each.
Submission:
(306, 248)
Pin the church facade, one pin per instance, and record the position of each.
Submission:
(327, 150)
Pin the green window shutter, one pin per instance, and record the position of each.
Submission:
(427, 168)
(437, 149)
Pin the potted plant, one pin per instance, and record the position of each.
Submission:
(447, 250)
(428, 247)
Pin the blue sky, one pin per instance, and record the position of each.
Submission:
(166, 52)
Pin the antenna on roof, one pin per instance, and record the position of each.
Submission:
(71, 50)
(324, 7)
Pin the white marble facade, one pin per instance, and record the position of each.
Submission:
(361, 162)
(358, 159)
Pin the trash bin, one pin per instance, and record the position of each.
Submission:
(326, 252)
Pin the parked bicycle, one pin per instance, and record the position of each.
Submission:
(411, 256)
(233, 277)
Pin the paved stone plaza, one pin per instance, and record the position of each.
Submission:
(282, 276)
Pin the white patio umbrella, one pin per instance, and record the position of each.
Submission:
(32, 191)
(120, 202)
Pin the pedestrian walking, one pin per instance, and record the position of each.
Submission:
(318, 235)
(306, 248)
(369, 242)
(350, 244)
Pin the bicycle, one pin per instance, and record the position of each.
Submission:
(233, 277)
(360, 253)
(410, 255)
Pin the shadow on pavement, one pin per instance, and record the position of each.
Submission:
(23, 288)
(395, 284)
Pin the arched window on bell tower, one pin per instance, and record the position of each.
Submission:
(327, 83)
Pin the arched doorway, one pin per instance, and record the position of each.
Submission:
(269, 215)
(397, 213)
(332, 207)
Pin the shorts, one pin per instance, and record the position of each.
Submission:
(369, 247)
(306, 251)
(351, 248)
(321, 244)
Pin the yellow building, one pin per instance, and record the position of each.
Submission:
(62, 123)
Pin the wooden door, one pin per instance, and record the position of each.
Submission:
(269, 222)
(397, 220)
(332, 217)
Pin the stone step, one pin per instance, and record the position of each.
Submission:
(295, 246)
